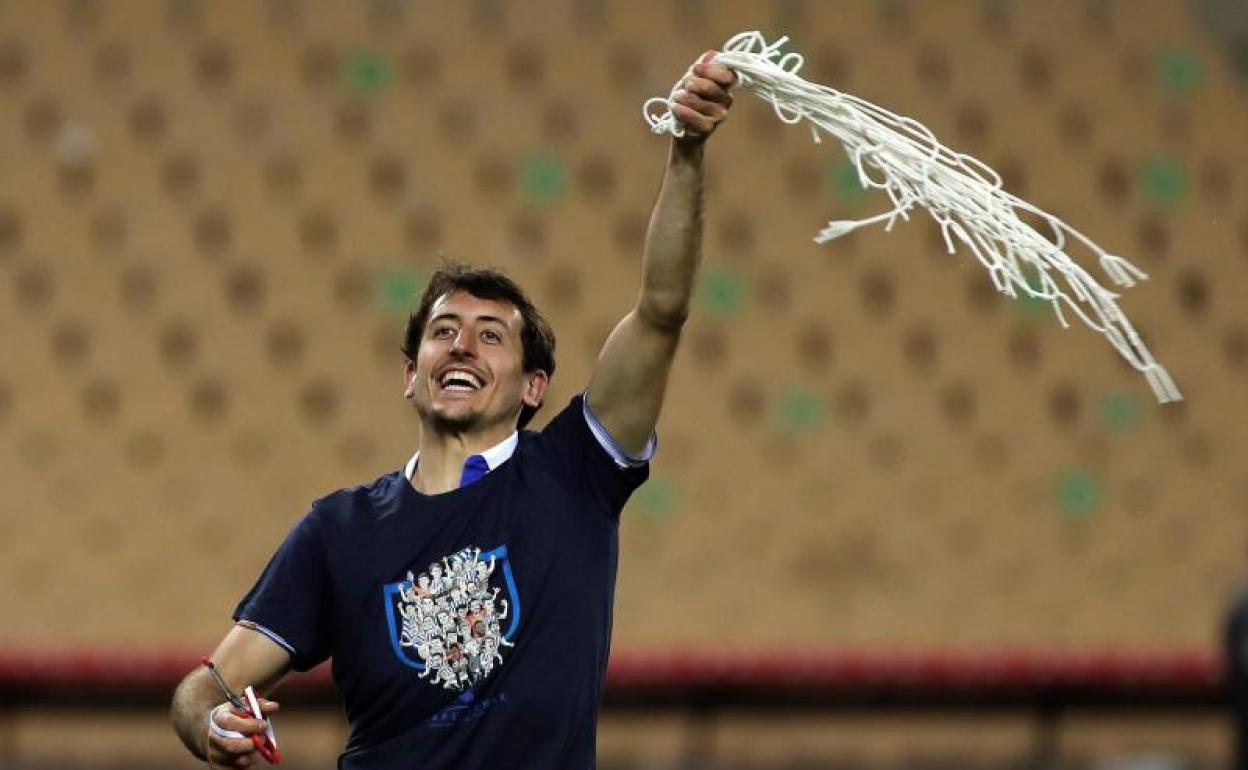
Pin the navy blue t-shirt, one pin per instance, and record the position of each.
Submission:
(469, 629)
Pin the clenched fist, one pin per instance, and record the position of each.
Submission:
(701, 100)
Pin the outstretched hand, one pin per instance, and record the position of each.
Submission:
(701, 100)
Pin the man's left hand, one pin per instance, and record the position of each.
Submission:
(701, 102)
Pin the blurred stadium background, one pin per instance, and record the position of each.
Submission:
(897, 520)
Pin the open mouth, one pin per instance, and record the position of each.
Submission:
(459, 381)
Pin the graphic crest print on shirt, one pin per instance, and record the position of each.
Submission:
(449, 622)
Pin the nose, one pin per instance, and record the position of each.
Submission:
(464, 343)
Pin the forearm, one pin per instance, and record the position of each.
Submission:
(244, 657)
(195, 697)
(673, 246)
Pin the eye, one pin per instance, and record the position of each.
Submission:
(441, 332)
(490, 335)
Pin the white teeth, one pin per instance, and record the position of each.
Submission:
(460, 380)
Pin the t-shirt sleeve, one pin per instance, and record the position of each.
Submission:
(289, 602)
(587, 456)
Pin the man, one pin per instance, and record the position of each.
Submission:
(466, 600)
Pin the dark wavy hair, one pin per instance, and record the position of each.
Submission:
(536, 337)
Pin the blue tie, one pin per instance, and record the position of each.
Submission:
(475, 467)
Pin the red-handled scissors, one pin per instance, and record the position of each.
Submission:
(266, 744)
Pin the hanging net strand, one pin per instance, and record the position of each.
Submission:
(962, 194)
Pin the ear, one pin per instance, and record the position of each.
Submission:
(535, 386)
(409, 379)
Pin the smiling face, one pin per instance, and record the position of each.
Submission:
(468, 376)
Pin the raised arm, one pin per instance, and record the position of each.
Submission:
(244, 657)
(627, 387)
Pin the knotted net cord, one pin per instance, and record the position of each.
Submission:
(962, 194)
